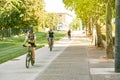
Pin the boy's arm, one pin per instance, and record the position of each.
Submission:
(25, 40)
(47, 35)
(35, 38)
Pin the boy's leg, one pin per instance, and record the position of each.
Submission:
(52, 40)
(33, 53)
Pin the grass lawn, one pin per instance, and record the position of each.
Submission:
(12, 47)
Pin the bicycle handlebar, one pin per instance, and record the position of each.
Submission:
(24, 45)
(28, 45)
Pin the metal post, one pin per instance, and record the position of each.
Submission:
(117, 37)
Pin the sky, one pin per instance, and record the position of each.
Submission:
(54, 6)
(58, 6)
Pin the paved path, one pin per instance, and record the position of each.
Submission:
(15, 69)
(71, 64)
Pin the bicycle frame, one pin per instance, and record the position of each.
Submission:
(29, 56)
(29, 48)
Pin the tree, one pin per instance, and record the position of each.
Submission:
(109, 39)
(96, 12)
(25, 14)
(117, 36)
(86, 14)
(75, 25)
(10, 14)
(21, 13)
(34, 12)
(51, 20)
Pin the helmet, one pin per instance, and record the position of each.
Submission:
(51, 29)
(31, 31)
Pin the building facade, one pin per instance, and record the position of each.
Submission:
(64, 20)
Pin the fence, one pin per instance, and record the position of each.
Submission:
(12, 31)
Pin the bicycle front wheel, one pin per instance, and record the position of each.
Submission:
(50, 44)
(32, 61)
(27, 63)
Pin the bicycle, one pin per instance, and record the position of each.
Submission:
(50, 43)
(69, 37)
(29, 56)
(69, 34)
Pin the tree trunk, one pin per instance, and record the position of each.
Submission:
(109, 40)
(2, 30)
(117, 37)
(99, 35)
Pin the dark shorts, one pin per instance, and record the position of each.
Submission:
(32, 44)
(52, 38)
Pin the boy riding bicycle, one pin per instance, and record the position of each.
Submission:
(31, 39)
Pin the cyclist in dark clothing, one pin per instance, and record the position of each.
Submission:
(51, 36)
(69, 34)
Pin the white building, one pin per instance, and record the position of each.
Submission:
(65, 16)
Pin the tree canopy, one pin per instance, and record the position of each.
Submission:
(25, 13)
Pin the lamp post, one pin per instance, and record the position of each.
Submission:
(117, 37)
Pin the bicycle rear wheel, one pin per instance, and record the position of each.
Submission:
(50, 48)
(27, 63)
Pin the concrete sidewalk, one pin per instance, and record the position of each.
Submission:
(80, 61)
(100, 67)
(72, 64)
(74, 59)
